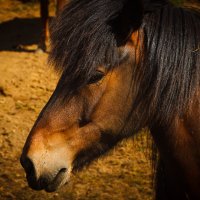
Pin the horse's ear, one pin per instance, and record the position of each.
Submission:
(128, 20)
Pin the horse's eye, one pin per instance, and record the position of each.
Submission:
(96, 77)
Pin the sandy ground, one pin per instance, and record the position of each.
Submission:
(26, 83)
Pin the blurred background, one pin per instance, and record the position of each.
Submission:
(26, 83)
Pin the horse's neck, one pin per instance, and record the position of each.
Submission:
(179, 147)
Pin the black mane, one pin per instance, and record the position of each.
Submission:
(82, 39)
(170, 71)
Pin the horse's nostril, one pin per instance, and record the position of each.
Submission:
(27, 164)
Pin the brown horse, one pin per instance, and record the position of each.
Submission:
(44, 14)
(124, 65)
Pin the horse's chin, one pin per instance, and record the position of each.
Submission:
(61, 179)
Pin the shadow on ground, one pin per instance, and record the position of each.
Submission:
(19, 32)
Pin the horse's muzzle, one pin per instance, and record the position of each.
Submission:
(49, 181)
